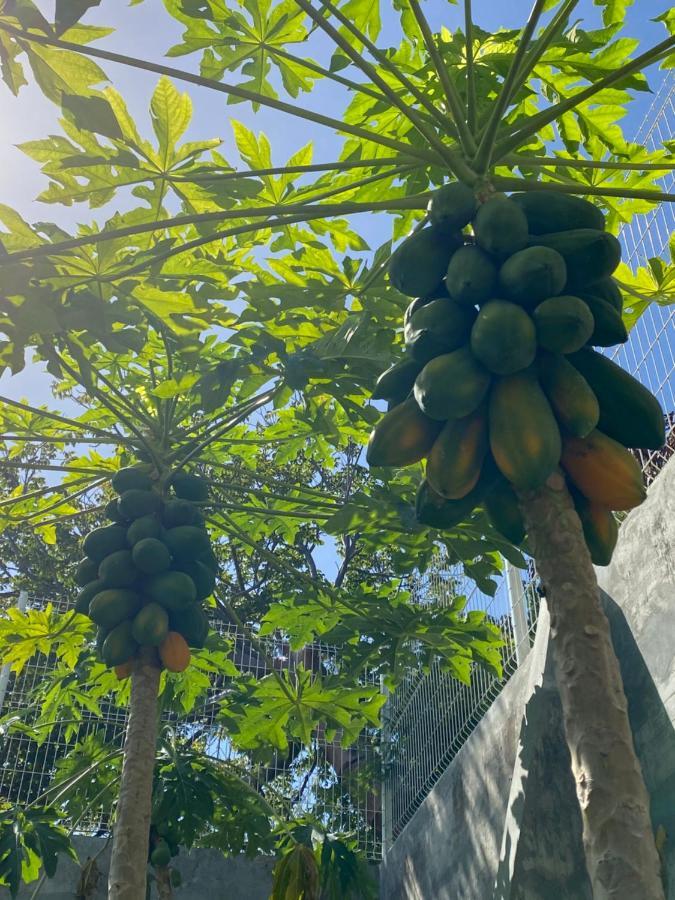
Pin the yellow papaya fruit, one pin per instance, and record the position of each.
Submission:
(604, 471)
(456, 458)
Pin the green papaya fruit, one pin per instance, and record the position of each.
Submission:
(437, 512)
(549, 211)
(86, 571)
(118, 569)
(524, 435)
(135, 503)
(119, 645)
(87, 594)
(397, 379)
(451, 385)
(131, 478)
(471, 277)
(112, 606)
(414, 305)
(500, 227)
(503, 337)
(503, 511)
(570, 395)
(418, 265)
(532, 275)
(150, 625)
(402, 437)
(151, 556)
(589, 255)
(101, 542)
(452, 206)
(608, 326)
(601, 530)
(439, 327)
(455, 461)
(145, 527)
(629, 412)
(564, 324)
(188, 486)
(180, 512)
(606, 289)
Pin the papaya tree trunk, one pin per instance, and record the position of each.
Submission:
(621, 855)
(129, 863)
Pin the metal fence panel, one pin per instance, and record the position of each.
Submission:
(325, 780)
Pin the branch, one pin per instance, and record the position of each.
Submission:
(484, 154)
(544, 41)
(524, 184)
(40, 492)
(553, 162)
(10, 464)
(385, 62)
(470, 73)
(371, 72)
(72, 423)
(105, 402)
(305, 212)
(29, 516)
(546, 116)
(451, 94)
(326, 73)
(255, 404)
(229, 89)
(59, 439)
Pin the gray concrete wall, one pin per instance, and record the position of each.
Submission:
(502, 823)
(207, 875)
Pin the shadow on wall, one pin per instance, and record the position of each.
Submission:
(476, 837)
(450, 848)
(654, 735)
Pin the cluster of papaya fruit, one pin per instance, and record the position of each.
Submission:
(499, 384)
(143, 578)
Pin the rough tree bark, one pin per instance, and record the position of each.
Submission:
(621, 855)
(128, 866)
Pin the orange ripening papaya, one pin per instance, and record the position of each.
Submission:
(455, 461)
(124, 670)
(403, 436)
(174, 652)
(603, 470)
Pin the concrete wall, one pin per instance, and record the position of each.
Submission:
(207, 875)
(502, 823)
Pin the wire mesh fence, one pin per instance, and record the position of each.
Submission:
(337, 786)
(429, 718)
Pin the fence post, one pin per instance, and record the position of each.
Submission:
(21, 603)
(518, 608)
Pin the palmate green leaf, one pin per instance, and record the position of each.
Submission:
(30, 838)
(22, 635)
(246, 41)
(10, 68)
(653, 283)
(270, 710)
(59, 72)
(613, 11)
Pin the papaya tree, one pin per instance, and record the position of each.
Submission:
(128, 318)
